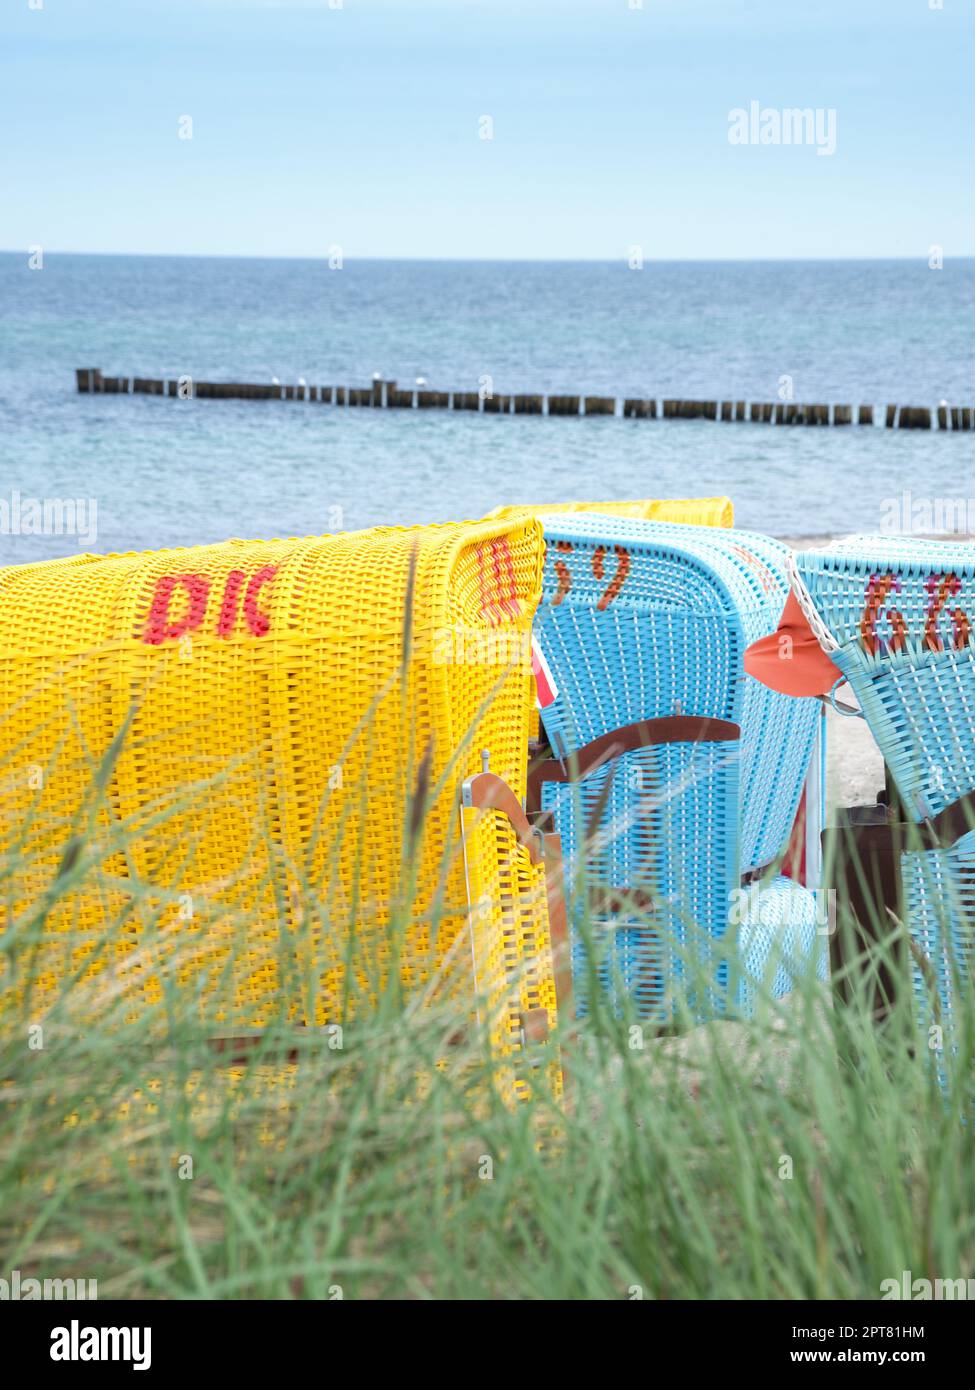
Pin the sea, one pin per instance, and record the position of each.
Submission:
(153, 472)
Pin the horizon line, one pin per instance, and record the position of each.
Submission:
(490, 260)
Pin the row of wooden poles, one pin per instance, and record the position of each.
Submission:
(386, 394)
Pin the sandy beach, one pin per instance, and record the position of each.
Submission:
(854, 766)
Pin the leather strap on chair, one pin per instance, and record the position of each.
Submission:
(645, 733)
(952, 823)
(488, 792)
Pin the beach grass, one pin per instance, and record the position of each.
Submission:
(807, 1153)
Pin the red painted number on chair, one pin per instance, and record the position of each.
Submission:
(619, 578)
(940, 589)
(182, 603)
(498, 582)
(598, 563)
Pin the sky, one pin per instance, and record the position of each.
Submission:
(359, 126)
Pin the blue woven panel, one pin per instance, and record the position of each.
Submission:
(781, 941)
(648, 900)
(903, 612)
(939, 895)
(639, 619)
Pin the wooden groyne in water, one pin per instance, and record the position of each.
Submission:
(388, 396)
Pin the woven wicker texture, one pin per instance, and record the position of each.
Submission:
(690, 511)
(510, 948)
(781, 938)
(656, 914)
(903, 613)
(256, 841)
(650, 883)
(939, 898)
(646, 619)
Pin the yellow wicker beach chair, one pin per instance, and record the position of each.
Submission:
(691, 511)
(232, 777)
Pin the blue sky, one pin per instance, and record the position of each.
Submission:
(358, 126)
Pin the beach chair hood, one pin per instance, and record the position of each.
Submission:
(646, 620)
(894, 616)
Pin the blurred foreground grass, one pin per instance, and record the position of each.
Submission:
(804, 1154)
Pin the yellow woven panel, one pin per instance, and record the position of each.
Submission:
(512, 948)
(691, 511)
(252, 841)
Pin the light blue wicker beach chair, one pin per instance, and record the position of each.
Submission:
(648, 817)
(896, 616)
(643, 619)
(673, 773)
